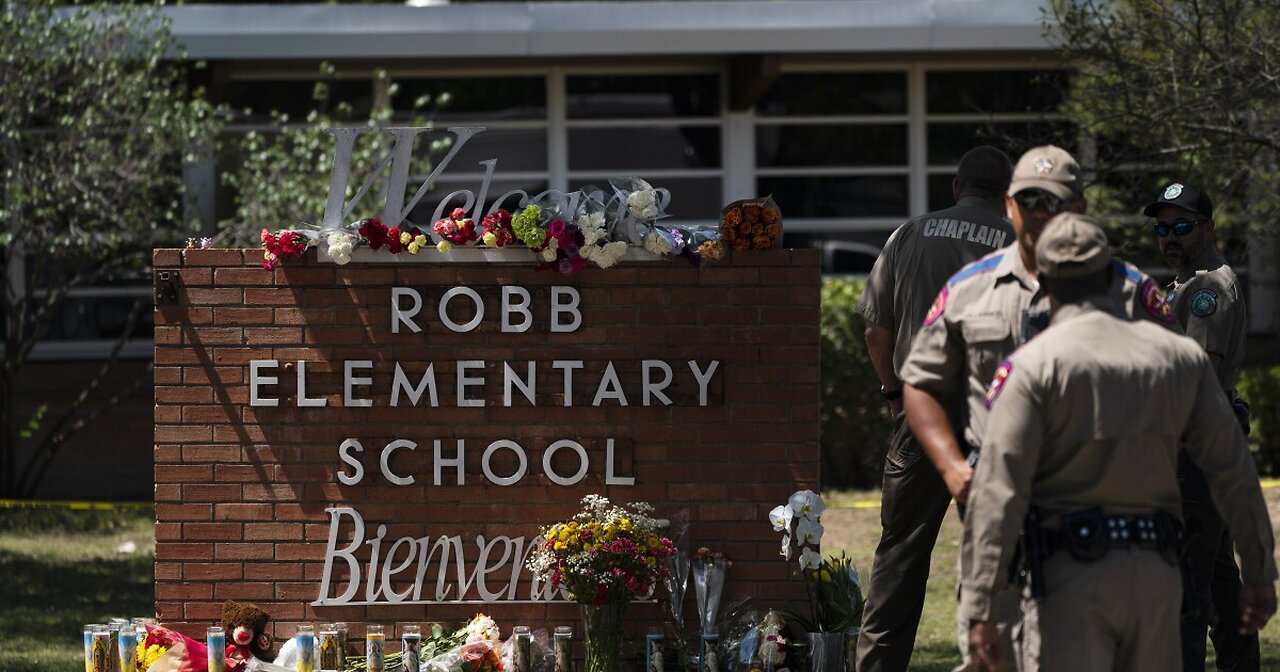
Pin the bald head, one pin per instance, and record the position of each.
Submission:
(984, 172)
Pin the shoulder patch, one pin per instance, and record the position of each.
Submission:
(935, 310)
(997, 383)
(980, 266)
(1204, 302)
(1154, 300)
(1129, 271)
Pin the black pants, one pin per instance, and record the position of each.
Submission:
(914, 501)
(1209, 558)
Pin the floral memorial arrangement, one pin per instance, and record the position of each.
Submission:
(751, 224)
(603, 558)
(565, 232)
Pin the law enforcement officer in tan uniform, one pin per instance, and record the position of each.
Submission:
(1085, 426)
(985, 311)
(1206, 299)
(915, 262)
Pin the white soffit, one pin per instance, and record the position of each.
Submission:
(555, 29)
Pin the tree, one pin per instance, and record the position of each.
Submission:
(96, 121)
(1178, 89)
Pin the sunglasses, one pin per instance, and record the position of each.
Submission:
(1180, 227)
(1032, 199)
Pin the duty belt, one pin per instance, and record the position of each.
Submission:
(1088, 535)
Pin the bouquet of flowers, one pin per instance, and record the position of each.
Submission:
(476, 647)
(751, 224)
(756, 643)
(456, 229)
(832, 586)
(605, 553)
(497, 229)
(165, 650)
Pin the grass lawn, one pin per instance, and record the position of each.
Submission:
(62, 570)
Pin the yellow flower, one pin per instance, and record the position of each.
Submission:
(405, 238)
(490, 239)
(444, 246)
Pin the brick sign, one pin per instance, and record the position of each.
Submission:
(381, 442)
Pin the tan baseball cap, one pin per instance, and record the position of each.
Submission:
(1071, 246)
(1050, 168)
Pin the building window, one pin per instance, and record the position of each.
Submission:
(834, 146)
(665, 128)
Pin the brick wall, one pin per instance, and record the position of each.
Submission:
(241, 491)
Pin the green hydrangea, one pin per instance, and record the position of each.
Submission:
(525, 224)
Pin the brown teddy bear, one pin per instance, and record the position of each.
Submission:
(246, 627)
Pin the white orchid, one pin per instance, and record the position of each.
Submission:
(780, 516)
(808, 503)
(808, 532)
(786, 546)
(810, 559)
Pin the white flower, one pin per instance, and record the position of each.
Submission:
(341, 258)
(587, 251)
(808, 532)
(786, 546)
(658, 243)
(810, 559)
(780, 516)
(641, 202)
(591, 235)
(482, 629)
(609, 254)
(807, 503)
(549, 252)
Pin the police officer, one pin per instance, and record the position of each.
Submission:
(1206, 299)
(1085, 427)
(915, 262)
(985, 311)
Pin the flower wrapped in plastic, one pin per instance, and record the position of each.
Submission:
(751, 224)
(592, 222)
(756, 643)
(641, 206)
(165, 650)
(284, 245)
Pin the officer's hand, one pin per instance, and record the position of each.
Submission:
(1257, 606)
(984, 649)
(958, 476)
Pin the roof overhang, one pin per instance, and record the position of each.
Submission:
(575, 29)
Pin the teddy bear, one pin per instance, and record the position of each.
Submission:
(246, 627)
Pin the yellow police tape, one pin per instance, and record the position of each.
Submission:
(72, 505)
(875, 503)
(108, 506)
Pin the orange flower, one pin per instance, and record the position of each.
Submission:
(728, 233)
(757, 230)
(772, 230)
(733, 216)
(770, 216)
(752, 212)
(745, 228)
(712, 249)
(741, 244)
(762, 242)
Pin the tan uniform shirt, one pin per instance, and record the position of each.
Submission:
(1092, 414)
(988, 309)
(1207, 300)
(918, 259)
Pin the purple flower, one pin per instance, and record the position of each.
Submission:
(556, 228)
(677, 241)
(566, 266)
(572, 250)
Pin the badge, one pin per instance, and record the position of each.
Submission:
(1155, 302)
(1204, 302)
(997, 383)
(1044, 165)
(939, 305)
(1172, 191)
